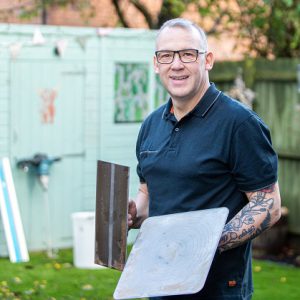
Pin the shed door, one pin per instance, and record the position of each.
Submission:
(47, 117)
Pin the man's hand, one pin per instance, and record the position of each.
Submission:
(138, 209)
(132, 212)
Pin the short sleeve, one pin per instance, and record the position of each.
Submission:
(138, 146)
(253, 161)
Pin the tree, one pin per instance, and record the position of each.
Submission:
(267, 28)
(270, 28)
(283, 32)
(169, 9)
(172, 9)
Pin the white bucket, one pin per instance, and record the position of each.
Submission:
(84, 240)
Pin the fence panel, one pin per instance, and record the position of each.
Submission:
(277, 101)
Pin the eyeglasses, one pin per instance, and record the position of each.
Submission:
(186, 55)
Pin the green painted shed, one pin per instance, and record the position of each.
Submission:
(76, 93)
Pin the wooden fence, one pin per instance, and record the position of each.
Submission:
(277, 101)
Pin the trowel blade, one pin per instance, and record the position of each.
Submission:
(111, 215)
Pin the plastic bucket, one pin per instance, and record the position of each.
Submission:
(84, 240)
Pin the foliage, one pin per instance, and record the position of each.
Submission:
(284, 28)
(169, 9)
(267, 28)
(271, 26)
(44, 278)
(172, 9)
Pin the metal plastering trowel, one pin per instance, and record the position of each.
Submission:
(172, 254)
(111, 215)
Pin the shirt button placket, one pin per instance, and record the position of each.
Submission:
(174, 138)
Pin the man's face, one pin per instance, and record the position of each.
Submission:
(183, 81)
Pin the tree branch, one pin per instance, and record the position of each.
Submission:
(217, 22)
(143, 9)
(120, 13)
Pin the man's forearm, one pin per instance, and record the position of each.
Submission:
(142, 206)
(262, 211)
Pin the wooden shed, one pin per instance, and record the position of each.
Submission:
(76, 93)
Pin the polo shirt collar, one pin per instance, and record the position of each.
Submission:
(207, 101)
(202, 108)
(167, 114)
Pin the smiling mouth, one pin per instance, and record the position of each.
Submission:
(179, 77)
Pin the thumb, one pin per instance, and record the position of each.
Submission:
(131, 207)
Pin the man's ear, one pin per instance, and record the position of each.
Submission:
(209, 61)
(155, 64)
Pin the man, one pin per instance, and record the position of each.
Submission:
(203, 150)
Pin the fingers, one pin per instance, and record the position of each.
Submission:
(132, 211)
(129, 220)
(132, 208)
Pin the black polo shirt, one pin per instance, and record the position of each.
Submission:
(208, 159)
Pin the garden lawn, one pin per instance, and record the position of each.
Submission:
(43, 278)
(273, 281)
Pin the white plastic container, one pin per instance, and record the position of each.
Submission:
(84, 240)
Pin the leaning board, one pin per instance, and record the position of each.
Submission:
(10, 215)
(172, 254)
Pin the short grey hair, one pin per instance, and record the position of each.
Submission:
(186, 24)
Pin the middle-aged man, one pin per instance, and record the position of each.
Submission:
(203, 150)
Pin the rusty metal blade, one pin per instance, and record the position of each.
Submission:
(111, 215)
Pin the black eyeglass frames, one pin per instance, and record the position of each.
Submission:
(185, 55)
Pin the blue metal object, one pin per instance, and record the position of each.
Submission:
(40, 163)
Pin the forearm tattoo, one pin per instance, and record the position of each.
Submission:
(252, 220)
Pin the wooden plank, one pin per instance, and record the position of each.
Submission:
(288, 155)
(111, 215)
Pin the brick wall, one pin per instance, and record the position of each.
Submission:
(104, 14)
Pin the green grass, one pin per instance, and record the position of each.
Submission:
(273, 281)
(44, 279)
